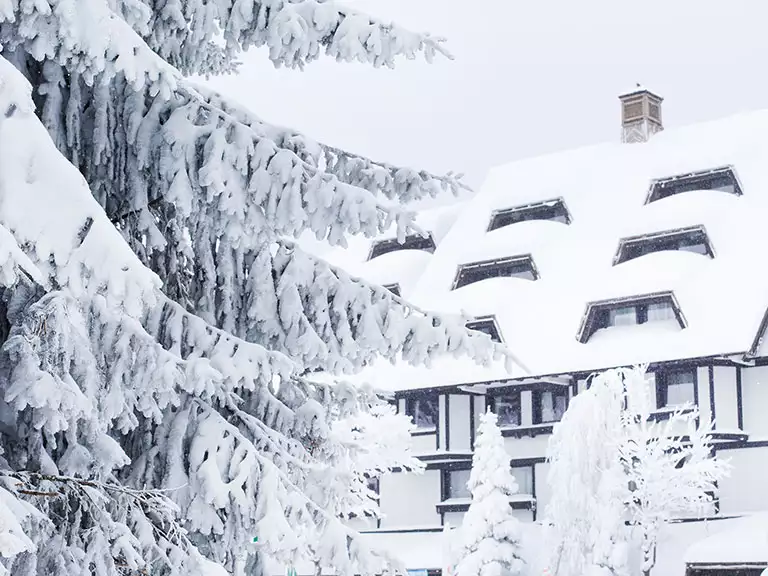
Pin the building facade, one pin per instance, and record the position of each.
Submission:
(647, 251)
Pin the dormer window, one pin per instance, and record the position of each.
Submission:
(721, 179)
(514, 267)
(553, 210)
(692, 239)
(488, 325)
(658, 307)
(394, 288)
(412, 242)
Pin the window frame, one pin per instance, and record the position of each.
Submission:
(537, 412)
(662, 386)
(409, 400)
(657, 189)
(665, 238)
(411, 242)
(492, 401)
(524, 261)
(489, 322)
(592, 318)
(530, 212)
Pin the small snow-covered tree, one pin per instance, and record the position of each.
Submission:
(614, 468)
(157, 317)
(489, 536)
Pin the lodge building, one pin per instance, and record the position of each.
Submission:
(650, 250)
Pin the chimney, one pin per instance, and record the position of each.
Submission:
(640, 115)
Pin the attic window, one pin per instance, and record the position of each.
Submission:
(657, 307)
(412, 242)
(394, 288)
(553, 210)
(693, 239)
(514, 267)
(487, 325)
(721, 179)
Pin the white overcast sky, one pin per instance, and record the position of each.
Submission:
(529, 77)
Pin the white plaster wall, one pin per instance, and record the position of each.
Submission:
(543, 492)
(746, 489)
(423, 444)
(702, 377)
(441, 421)
(458, 409)
(526, 408)
(726, 405)
(454, 519)
(410, 499)
(527, 447)
(754, 394)
(479, 411)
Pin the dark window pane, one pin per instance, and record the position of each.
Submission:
(549, 405)
(413, 242)
(521, 267)
(507, 408)
(423, 410)
(458, 484)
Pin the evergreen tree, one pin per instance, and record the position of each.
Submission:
(489, 535)
(158, 320)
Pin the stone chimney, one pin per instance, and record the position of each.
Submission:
(640, 115)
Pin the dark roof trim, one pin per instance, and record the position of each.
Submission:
(487, 325)
(411, 242)
(624, 254)
(556, 205)
(759, 337)
(589, 320)
(402, 530)
(658, 185)
(524, 261)
(394, 288)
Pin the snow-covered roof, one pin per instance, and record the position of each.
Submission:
(745, 541)
(605, 189)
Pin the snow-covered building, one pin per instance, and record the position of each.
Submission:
(649, 250)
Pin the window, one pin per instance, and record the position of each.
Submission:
(412, 242)
(524, 478)
(693, 239)
(722, 179)
(423, 410)
(394, 288)
(549, 405)
(507, 407)
(373, 484)
(515, 267)
(661, 306)
(457, 484)
(554, 210)
(675, 388)
(487, 325)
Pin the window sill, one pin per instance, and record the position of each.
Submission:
(667, 412)
(424, 431)
(533, 430)
(517, 502)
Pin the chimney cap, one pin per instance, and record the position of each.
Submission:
(639, 89)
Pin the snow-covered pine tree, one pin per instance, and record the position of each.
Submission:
(489, 537)
(157, 317)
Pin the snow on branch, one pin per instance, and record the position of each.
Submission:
(95, 523)
(88, 38)
(394, 182)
